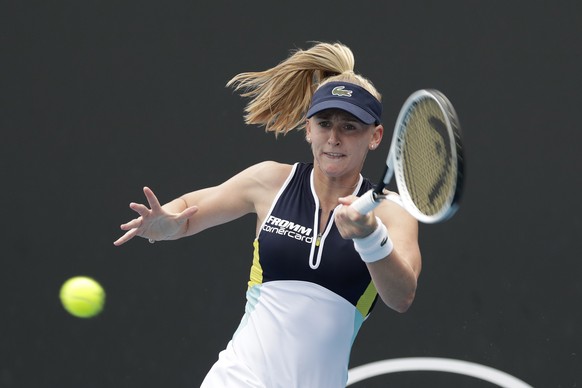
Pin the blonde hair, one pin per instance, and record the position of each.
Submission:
(280, 96)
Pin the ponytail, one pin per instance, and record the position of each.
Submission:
(280, 96)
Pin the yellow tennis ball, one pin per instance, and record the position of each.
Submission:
(82, 297)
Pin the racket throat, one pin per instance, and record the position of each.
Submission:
(378, 193)
(378, 197)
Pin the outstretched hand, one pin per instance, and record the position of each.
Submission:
(154, 223)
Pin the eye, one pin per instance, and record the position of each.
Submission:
(324, 123)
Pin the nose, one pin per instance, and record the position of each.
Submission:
(334, 138)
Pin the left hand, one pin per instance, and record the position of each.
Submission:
(154, 222)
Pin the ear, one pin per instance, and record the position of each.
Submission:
(376, 137)
(308, 130)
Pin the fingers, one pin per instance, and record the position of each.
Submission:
(140, 209)
(153, 220)
(349, 221)
(132, 227)
(133, 224)
(143, 210)
(187, 213)
(348, 211)
(152, 199)
(346, 201)
(126, 237)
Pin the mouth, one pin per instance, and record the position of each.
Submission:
(334, 155)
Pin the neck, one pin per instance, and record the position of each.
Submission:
(329, 189)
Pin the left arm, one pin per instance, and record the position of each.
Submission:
(396, 275)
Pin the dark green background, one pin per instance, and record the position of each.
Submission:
(99, 98)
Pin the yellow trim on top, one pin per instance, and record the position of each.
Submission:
(256, 275)
(367, 299)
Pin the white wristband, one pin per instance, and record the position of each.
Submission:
(375, 246)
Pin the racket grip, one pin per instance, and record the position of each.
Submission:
(366, 203)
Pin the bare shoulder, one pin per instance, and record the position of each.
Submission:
(263, 182)
(269, 174)
(259, 182)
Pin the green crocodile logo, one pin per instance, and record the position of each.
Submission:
(340, 91)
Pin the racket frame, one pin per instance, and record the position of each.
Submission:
(395, 166)
(453, 129)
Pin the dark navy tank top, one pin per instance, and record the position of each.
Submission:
(291, 244)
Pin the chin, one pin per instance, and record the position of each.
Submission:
(332, 170)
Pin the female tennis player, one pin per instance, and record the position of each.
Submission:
(318, 265)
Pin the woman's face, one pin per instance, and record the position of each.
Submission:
(340, 142)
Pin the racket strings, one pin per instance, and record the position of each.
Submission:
(428, 158)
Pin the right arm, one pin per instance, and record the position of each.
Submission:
(250, 191)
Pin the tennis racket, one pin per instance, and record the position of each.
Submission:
(426, 158)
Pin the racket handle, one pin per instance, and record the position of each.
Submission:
(366, 203)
